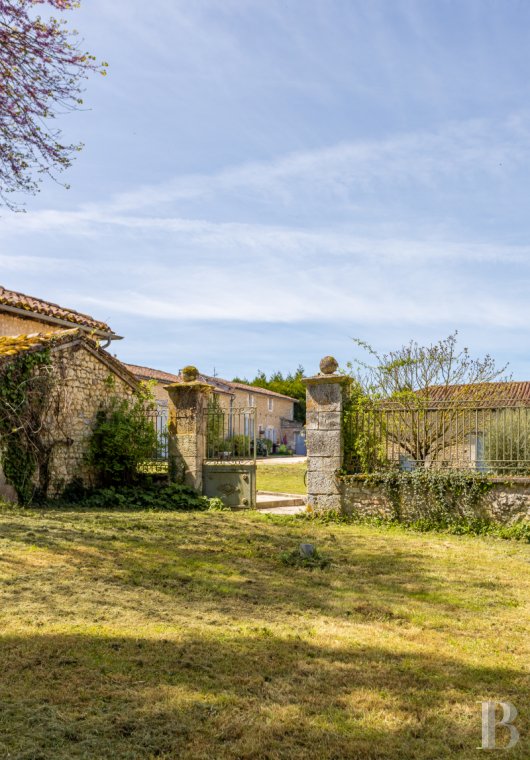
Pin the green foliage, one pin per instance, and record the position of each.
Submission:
(123, 437)
(410, 373)
(506, 438)
(437, 495)
(25, 390)
(240, 445)
(362, 431)
(394, 401)
(295, 559)
(146, 495)
(289, 385)
(215, 504)
(263, 447)
(215, 432)
(282, 449)
(459, 526)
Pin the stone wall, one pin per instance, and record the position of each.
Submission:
(82, 376)
(508, 500)
(84, 383)
(506, 503)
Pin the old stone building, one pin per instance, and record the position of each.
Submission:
(274, 411)
(83, 376)
(81, 373)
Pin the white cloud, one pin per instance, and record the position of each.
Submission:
(139, 258)
(456, 149)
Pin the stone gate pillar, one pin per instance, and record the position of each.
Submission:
(187, 428)
(324, 394)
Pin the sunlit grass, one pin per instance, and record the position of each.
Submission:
(165, 635)
(283, 478)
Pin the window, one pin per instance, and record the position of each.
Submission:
(251, 400)
(270, 404)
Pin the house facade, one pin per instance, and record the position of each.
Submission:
(274, 411)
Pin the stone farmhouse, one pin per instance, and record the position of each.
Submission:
(84, 372)
(274, 411)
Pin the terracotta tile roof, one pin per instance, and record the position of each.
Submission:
(166, 378)
(152, 374)
(254, 389)
(224, 386)
(502, 393)
(47, 309)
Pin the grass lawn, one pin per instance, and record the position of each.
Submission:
(155, 635)
(286, 478)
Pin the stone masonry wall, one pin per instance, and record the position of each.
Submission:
(507, 502)
(83, 380)
(324, 441)
(82, 385)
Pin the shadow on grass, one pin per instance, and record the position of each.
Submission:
(240, 697)
(207, 559)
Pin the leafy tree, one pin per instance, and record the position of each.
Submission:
(290, 385)
(417, 398)
(41, 72)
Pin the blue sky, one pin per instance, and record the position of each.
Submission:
(265, 179)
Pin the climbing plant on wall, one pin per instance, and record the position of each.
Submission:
(26, 388)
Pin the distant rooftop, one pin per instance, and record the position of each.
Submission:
(513, 391)
(148, 373)
(224, 386)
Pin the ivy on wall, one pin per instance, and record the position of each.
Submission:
(362, 432)
(439, 495)
(26, 385)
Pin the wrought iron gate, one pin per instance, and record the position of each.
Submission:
(229, 468)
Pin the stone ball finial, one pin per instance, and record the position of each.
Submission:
(190, 374)
(328, 365)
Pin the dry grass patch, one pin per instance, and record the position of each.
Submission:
(184, 635)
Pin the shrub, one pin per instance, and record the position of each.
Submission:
(123, 437)
(263, 447)
(240, 445)
(148, 495)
